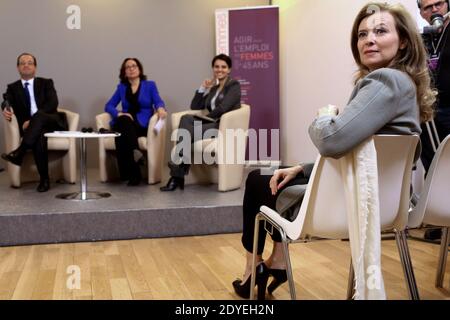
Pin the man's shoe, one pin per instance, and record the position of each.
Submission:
(44, 185)
(15, 157)
(173, 183)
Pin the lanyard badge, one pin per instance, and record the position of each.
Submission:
(433, 62)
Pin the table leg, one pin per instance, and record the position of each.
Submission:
(83, 173)
(83, 194)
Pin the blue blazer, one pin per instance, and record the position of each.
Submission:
(149, 101)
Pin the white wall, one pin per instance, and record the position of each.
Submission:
(316, 65)
(174, 39)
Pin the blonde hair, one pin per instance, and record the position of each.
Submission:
(411, 60)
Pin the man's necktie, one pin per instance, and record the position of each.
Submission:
(27, 95)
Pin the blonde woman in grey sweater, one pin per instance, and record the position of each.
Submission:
(392, 95)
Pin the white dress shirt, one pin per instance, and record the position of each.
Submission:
(205, 92)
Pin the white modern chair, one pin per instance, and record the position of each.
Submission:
(227, 174)
(152, 145)
(61, 156)
(433, 207)
(323, 210)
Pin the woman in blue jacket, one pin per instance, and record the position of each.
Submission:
(140, 99)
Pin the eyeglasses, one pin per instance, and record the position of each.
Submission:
(430, 7)
(30, 63)
(131, 67)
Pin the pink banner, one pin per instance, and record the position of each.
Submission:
(253, 44)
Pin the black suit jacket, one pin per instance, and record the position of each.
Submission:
(44, 94)
(229, 99)
(442, 74)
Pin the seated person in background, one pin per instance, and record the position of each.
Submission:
(139, 98)
(34, 102)
(392, 95)
(219, 95)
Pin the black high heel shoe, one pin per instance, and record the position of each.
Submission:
(243, 289)
(173, 183)
(279, 277)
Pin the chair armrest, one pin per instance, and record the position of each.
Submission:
(176, 117)
(151, 135)
(102, 120)
(156, 143)
(236, 119)
(12, 134)
(73, 119)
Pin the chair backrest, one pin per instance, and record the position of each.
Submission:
(102, 121)
(323, 211)
(433, 206)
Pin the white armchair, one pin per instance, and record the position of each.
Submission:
(433, 207)
(227, 174)
(317, 218)
(62, 154)
(152, 145)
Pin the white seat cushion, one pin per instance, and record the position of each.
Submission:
(58, 143)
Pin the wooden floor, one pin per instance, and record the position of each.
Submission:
(193, 268)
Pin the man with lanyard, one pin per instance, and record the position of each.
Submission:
(438, 46)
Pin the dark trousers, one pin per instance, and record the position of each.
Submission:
(34, 139)
(442, 121)
(126, 143)
(191, 124)
(258, 193)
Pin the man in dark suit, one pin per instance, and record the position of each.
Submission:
(34, 102)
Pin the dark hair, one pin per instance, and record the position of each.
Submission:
(26, 54)
(123, 77)
(411, 60)
(222, 57)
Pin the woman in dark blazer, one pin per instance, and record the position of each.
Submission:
(140, 99)
(218, 95)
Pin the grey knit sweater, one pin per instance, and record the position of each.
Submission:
(383, 102)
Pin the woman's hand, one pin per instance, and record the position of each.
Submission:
(25, 125)
(162, 113)
(125, 114)
(285, 175)
(208, 83)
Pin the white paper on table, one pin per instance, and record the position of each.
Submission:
(159, 125)
(66, 132)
